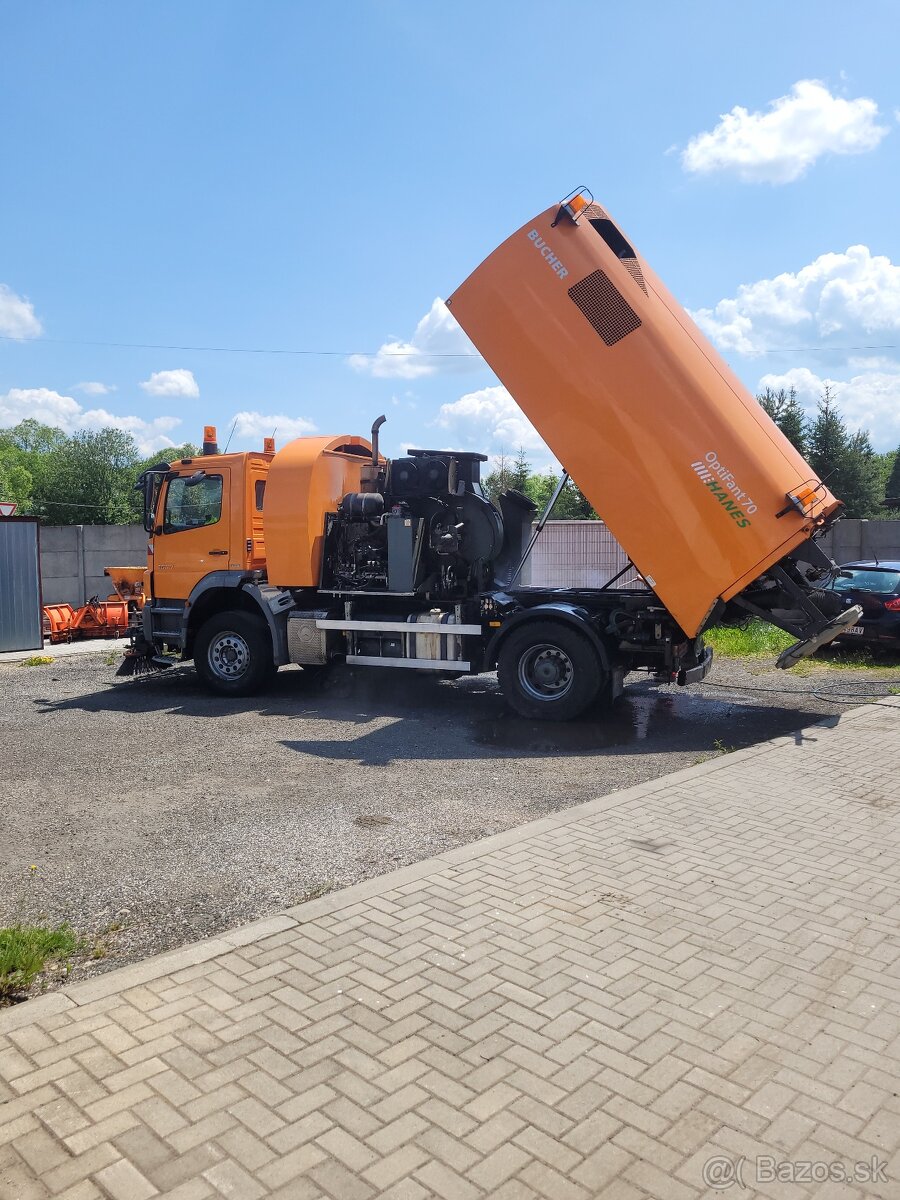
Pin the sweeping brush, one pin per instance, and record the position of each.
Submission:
(142, 662)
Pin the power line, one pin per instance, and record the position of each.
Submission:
(305, 353)
(246, 349)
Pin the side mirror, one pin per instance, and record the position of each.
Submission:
(193, 480)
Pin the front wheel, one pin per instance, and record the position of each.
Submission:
(233, 654)
(549, 672)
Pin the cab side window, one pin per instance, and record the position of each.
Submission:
(191, 506)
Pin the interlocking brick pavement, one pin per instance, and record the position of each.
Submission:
(595, 1004)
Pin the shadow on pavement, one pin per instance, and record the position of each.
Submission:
(422, 718)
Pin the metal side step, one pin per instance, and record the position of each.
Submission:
(421, 664)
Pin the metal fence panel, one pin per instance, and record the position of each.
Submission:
(20, 585)
(572, 554)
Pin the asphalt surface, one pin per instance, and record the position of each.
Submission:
(150, 804)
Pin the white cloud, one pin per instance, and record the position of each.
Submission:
(64, 412)
(438, 333)
(179, 382)
(40, 404)
(490, 420)
(254, 426)
(17, 319)
(851, 297)
(95, 388)
(868, 401)
(780, 144)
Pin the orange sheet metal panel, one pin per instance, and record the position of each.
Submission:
(665, 441)
(306, 480)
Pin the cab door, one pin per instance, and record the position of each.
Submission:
(192, 532)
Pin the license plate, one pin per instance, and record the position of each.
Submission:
(854, 629)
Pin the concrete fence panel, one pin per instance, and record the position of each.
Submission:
(73, 558)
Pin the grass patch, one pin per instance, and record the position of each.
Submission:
(25, 951)
(37, 660)
(755, 640)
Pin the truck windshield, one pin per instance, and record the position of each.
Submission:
(868, 579)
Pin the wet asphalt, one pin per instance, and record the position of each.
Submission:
(153, 806)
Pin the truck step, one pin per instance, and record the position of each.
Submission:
(421, 664)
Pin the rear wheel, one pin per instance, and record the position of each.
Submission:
(233, 654)
(549, 671)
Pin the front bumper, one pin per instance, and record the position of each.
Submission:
(694, 674)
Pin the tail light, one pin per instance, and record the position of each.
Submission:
(893, 605)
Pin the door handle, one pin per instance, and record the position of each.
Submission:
(218, 551)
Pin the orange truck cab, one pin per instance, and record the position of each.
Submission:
(325, 550)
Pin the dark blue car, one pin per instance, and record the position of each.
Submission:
(876, 587)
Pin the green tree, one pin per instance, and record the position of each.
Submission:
(846, 462)
(571, 505)
(89, 480)
(827, 439)
(521, 470)
(892, 486)
(859, 478)
(786, 411)
(23, 454)
(15, 483)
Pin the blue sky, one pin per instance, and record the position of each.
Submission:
(312, 177)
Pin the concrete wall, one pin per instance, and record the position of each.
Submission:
(850, 540)
(73, 558)
(567, 554)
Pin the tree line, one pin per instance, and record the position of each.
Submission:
(88, 478)
(867, 482)
(84, 478)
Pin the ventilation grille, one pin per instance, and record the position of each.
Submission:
(633, 267)
(605, 307)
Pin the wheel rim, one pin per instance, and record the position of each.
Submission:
(546, 672)
(228, 655)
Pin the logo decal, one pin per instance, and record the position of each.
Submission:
(547, 254)
(723, 486)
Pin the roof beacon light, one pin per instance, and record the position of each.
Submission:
(573, 205)
(210, 445)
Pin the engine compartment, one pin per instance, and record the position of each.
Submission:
(421, 525)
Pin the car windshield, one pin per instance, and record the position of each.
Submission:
(869, 579)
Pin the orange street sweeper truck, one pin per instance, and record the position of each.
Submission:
(326, 550)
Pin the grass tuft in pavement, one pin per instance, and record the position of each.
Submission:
(37, 660)
(25, 950)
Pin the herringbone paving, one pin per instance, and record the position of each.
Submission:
(702, 968)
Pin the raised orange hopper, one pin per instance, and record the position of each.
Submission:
(693, 478)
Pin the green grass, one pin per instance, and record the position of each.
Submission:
(37, 660)
(759, 640)
(25, 950)
(754, 641)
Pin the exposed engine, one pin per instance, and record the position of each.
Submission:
(423, 526)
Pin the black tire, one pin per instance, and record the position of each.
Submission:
(233, 654)
(549, 672)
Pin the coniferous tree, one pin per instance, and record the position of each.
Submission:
(787, 412)
(892, 487)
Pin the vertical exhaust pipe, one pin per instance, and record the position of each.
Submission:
(379, 421)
